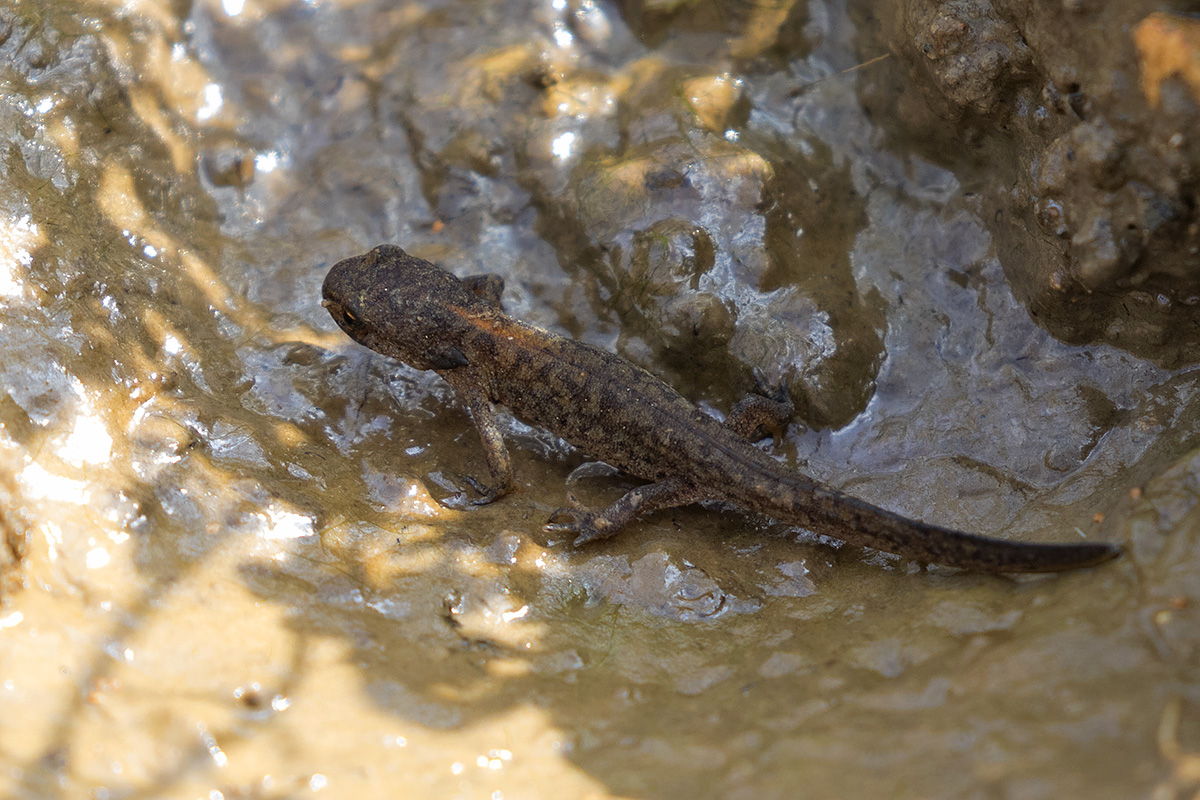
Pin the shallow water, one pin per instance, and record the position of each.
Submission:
(238, 579)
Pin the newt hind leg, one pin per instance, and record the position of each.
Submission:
(760, 412)
(590, 526)
(749, 418)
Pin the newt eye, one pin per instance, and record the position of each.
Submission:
(350, 316)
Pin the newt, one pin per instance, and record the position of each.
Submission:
(616, 412)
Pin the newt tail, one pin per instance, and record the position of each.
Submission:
(827, 511)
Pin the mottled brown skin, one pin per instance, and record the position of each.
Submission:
(412, 310)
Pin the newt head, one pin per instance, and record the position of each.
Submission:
(401, 306)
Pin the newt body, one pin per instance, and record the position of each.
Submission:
(619, 413)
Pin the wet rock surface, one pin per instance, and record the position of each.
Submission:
(234, 554)
(1083, 113)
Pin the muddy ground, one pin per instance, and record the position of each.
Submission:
(236, 558)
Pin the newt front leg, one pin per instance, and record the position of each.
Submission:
(471, 393)
(488, 287)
